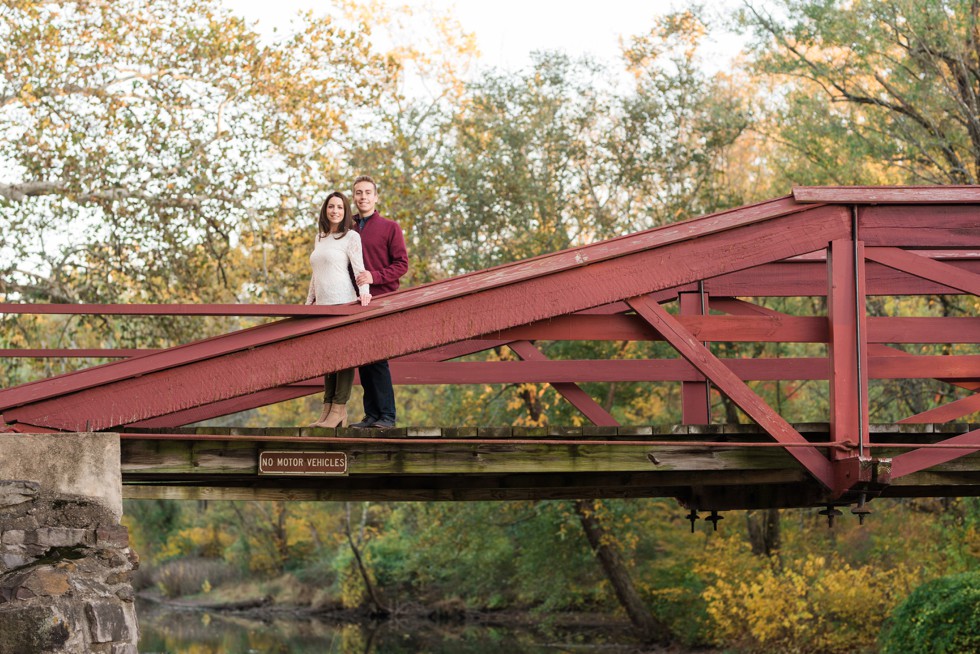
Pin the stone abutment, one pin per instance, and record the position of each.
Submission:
(65, 560)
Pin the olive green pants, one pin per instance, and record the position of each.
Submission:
(337, 386)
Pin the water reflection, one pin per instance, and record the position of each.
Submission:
(167, 631)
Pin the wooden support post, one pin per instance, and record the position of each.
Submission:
(848, 353)
(695, 396)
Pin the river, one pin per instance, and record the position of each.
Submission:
(166, 630)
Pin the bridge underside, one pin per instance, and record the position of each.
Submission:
(714, 467)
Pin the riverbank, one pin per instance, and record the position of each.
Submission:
(252, 609)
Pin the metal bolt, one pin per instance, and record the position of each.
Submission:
(692, 516)
(861, 510)
(831, 513)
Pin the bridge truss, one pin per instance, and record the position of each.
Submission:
(691, 284)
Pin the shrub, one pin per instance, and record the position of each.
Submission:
(191, 576)
(939, 617)
(809, 604)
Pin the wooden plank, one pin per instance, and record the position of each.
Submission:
(952, 194)
(545, 486)
(532, 295)
(927, 268)
(921, 226)
(817, 464)
(571, 392)
(215, 459)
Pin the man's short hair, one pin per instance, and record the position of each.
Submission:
(364, 178)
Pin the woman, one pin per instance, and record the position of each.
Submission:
(337, 246)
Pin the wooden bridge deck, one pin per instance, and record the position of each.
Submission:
(704, 466)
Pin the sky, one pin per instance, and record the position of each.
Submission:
(507, 31)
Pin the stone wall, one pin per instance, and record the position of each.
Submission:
(65, 561)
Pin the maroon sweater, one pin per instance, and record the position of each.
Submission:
(385, 256)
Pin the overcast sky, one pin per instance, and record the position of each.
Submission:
(507, 31)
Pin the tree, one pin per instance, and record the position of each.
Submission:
(145, 143)
(872, 92)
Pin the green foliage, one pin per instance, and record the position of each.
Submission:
(868, 91)
(940, 617)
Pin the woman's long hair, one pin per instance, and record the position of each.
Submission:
(345, 226)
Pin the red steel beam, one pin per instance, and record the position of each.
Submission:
(952, 194)
(848, 346)
(306, 387)
(780, 328)
(498, 299)
(676, 370)
(733, 387)
(230, 406)
(604, 255)
(270, 310)
(920, 459)
(418, 373)
(946, 412)
(921, 226)
(570, 391)
(74, 353)
(936, 271)
(806, 278)
(696, 396)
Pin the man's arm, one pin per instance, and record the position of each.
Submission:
(397, 257)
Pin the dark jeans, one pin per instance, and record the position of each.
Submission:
(337, 386)
(379, 394)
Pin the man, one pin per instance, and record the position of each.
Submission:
(385, 261)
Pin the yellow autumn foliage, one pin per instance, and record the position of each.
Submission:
(207, 541)
(810, 603)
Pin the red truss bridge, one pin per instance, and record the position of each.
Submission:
(689, 284)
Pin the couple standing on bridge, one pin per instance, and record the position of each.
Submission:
(373, 247)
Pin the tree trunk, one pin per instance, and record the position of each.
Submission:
(380, 610)
(764, 531)
(649, 628)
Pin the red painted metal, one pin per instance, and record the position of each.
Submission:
(803, 278)
(921, 226)
(696, 396)
(270, 310)
(936, 271)
(302, 348)
(965, 194)
(924, 457)
(733, 387)
(787, 247)
(947, 412)
(848, 346)
(76, 353)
